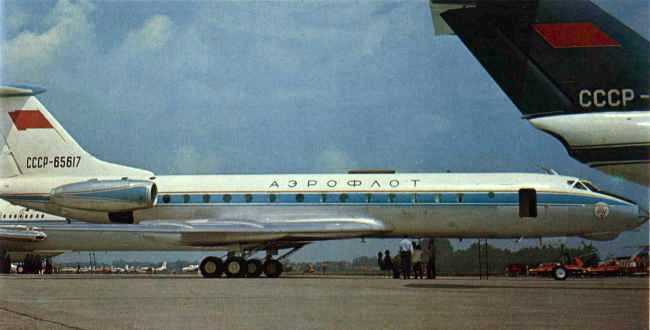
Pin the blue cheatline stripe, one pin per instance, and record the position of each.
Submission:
(444, 198)
(341, 198)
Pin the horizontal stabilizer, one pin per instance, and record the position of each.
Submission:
(19, 90)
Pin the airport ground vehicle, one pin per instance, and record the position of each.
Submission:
(559, 270)
(516, 270)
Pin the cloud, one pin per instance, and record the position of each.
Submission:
(154, 34)
(68, 35)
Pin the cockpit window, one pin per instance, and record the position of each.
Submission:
(590, 186)
(580, 186)
(570, 183)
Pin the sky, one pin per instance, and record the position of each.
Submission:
(210, 87)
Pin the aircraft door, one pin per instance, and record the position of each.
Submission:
(527, 203)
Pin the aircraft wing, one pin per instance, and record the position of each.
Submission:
(21, 233)
(218, 232)
(204, 233)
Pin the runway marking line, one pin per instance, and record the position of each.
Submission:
(36, 318)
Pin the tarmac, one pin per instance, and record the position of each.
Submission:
(318, 302)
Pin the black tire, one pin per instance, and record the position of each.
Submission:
(235, 267)
(272, 268)
(560, 273)
(211, 267)
(254, 268)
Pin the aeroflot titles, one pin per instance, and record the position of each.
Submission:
(351, 183)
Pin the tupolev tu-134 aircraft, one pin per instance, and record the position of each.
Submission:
(43, 168)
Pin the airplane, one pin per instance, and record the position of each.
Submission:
(572, 70)
(190, 268)
(161, 269)
(20, 224)
(44, 168)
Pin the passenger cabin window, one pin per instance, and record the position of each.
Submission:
(300, 198)
(273, 198)
(227, 198)
(206, 198)
(527, 203)
(248, 198)
(166, 199)
(186, 198)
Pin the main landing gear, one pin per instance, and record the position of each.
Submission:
(239, 266)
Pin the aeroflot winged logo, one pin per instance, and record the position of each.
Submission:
(26, 119)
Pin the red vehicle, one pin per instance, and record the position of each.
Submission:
(558, 270)
(543, 269)
(637, 264)
(606, 268)
(516, 270)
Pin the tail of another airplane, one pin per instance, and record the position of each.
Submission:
(35, 144)
(552, 57)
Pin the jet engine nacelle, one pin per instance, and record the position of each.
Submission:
(113, 196)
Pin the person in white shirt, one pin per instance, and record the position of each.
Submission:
(405, 251)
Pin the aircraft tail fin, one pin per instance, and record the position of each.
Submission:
(553, 57)
(34, 143)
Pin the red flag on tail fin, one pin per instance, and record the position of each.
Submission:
(26, 119)
(574, 35)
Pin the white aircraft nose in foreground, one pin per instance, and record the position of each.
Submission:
(45, 169)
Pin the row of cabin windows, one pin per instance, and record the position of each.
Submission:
(321, 198)
(25, 216)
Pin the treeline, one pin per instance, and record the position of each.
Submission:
(450, 261)
(464, 261)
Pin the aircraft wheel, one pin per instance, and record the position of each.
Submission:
(560, 273)
(235, 267)
(272, 268)
(254, 268)
(211, 267)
